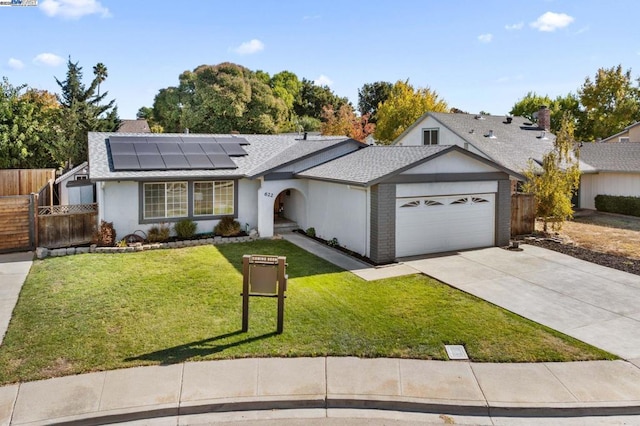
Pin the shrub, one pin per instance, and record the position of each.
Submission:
(106, 235)
(227, 227)
(333, 242)
(185, 228)
(311, 232)
(158, 233)
(618, 204)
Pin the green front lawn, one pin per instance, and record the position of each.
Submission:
(103, 311)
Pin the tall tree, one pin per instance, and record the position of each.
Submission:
(370, 96)
(28, 124)
(220, 99)
(403, 107)
(345, 122)
(555, 184)
(100, 71)
(611, 101)
(529, 105)
(82, 112)
(313, 98)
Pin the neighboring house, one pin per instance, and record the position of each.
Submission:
(381, 202)
(629, 134)
(74, 187)
(139, 125)
(511, 142)
(609, 169)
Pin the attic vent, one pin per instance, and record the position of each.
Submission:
(472, 131)
(543, 136)
(509, 119)
(479, 117)
(490, 135)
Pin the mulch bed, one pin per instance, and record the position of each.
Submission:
(620, 263)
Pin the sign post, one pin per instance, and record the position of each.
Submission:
(263, 276)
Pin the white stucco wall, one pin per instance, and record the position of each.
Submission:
(627, 184)
(269, 190)
(295, 207)
(247, 203)
(118, 202)
(452, 162)
(340, 211)
(445, 136)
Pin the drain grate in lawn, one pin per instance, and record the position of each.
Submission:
(104, 311)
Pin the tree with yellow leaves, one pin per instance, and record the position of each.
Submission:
(402, 108)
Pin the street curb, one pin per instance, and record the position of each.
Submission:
(347, 403)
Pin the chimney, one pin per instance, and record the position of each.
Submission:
(544, 118)
(304, 137)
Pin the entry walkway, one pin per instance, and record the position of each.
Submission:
(14, 268)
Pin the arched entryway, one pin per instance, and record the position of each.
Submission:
(289, 211)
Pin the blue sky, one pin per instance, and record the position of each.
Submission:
(478, 55)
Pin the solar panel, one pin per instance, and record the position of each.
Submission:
(192, 148)
(199, 161)
(151, 162)
(233, 149)
(125, 162)
(169, 148)
(174, 152)
(176, 162)
(122, 148)
(240, 141)
(146, 148)
(212, 148)
(221, 161)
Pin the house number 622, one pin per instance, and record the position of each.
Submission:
(268, 194)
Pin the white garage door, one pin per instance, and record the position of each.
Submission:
(444, 223)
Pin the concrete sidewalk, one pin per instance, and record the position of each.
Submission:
(453, 388)
(14, 269)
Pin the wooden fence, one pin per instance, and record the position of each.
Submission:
(17, 224)
(24, 181)
(523, 214)
(65, 226)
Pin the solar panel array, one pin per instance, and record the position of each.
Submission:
(144, 153)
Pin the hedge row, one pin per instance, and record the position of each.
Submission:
(618, 204)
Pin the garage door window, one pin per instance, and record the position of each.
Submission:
(411, 204)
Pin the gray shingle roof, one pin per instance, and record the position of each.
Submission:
(372, 164)
(514, 144)
(134, 126)
(265, 152)
(611, 157)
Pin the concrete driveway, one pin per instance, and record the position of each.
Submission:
(595, 304)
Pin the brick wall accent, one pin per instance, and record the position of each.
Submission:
(503, 213)
(383, 223)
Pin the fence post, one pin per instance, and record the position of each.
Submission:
(33, 221)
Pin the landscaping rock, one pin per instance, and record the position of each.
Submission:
(82, 250)
(171, 244)
(71, 250)
(209, 240)
(92, 248)
(42, 252)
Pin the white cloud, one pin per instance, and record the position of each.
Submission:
(512, 27)
(73, 9)
(485, 38)
(323, 80)
(249, 47)
(551, 21)
(15, 64)
(48, 59)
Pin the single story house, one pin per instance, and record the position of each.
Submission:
(381, 202)
(74, 186)
(608, 169)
